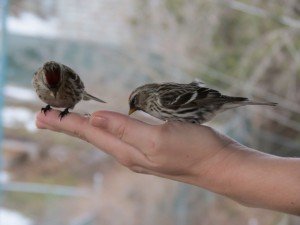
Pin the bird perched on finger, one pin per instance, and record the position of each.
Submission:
(59, 86)
(192, 103)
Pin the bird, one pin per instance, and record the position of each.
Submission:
(191, 103)
(59, 86)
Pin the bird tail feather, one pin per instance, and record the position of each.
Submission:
(260, 103)
(240, 101)
(87, 96)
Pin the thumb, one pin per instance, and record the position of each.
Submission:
(131, 131)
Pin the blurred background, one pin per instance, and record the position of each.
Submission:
(246, 47)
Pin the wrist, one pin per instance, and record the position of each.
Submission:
(217, 172)
(253, 178)
(224, 171)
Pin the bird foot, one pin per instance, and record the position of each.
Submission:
(87, 115)
(46, 109)
(63, 113)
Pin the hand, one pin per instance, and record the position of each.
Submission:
(173, 150)
(188, 153)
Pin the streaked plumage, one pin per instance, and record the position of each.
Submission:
(59, 86)
(193, 102)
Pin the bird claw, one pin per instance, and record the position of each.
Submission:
(46, 109)
(87, 115)
(63, 113)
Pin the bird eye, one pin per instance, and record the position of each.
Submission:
(133, 101)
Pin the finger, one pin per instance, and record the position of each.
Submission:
(136, 133)
(70, 124)
(79, 126)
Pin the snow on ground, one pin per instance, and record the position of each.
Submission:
(31, 25)
(19, 116)
(19, 93)
(8, 217)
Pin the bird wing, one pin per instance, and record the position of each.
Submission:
(73, 77)
(190, 95)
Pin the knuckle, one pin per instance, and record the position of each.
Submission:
(166, 128)
(95, 114)
(155, 145)
(80, 129)
(126, 161)
(138, 169)
(156, 139)
(121, 131)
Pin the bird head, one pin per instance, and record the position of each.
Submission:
(140, 98)
(133, 103)
(52, 76)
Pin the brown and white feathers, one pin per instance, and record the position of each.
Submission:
(193, 102)
(59, 86)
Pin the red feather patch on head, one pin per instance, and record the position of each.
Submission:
(52, 74)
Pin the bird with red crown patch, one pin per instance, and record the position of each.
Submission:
(59, 86)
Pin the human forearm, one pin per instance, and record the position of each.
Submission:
(256, 179)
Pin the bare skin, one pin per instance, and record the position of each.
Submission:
(193, 154)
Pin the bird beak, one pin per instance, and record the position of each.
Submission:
(131, 110)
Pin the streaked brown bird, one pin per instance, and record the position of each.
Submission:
(59, 86)
(192, 103)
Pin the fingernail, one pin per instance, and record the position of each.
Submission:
(99, 121)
